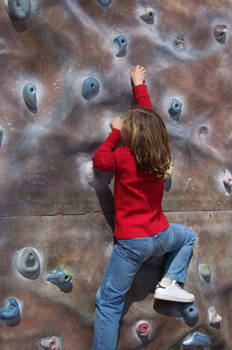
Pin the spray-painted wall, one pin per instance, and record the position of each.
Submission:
(51, 201)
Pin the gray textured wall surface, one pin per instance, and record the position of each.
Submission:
(46, 201)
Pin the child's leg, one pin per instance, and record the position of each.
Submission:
(179, 252)
(177, 241)
(117, 279)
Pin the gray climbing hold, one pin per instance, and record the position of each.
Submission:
(90, 88)
(120, 44)
(18, 8)
(213, 315)
(179, 42)
(104, 2)
(198, 340)
(51, 343)
(59, 277)
(11, 310)
(28, 264)
(175, 109)
(94, 177)
(220, 31)
(205, 271)
(29, 95)
(148, 14)
(190, 311)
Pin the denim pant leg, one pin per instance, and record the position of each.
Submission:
(177, 241)
(126, 258)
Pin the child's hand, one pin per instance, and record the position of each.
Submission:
(138, 75)
(116, 123)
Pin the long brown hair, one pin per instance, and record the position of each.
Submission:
(149, 140)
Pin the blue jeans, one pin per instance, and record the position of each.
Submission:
(125, 260)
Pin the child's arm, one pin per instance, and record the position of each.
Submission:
(138, 75)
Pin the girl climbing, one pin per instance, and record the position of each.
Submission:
(141, 228)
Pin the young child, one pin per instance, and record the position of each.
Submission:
(141, 228)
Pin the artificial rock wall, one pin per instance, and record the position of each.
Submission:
(54, 204)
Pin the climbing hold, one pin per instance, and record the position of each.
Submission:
(104, 2)
(59, 277)
(227, 179)
(94, 177)
(29, 95)
(190, 311)
(1, 137)
(198, 340)
(52, 343)
(142, 329)
(220, 31)
(179, 42)
(169, 172)
(213, 315)
(90, 87)
(175, 109)
(28, 264)
(11, 310)
(18, 8)
(205, 271)
(148, 14)
(120, 44)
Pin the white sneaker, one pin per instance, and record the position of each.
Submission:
(173, 293)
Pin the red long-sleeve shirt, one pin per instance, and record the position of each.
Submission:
(137, 195)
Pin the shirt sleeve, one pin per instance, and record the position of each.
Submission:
(105, 158)
(142, 96)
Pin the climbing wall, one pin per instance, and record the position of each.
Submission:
(64, 75)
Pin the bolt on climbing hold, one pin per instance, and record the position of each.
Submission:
(142, 329)
(213, 315)
(190, 311)
(205, 271)
(220, 31)
(18, 8)
(148, 14)
(28, 264)
(94, 177)
(104, 2)
(29, 95)
(198, 340)
(227, 180)
(179, 42)
(52, 343)
(120, 44)
(90, 88)
(169, 172)
(11, 310)
(175, 109)
(59, 277)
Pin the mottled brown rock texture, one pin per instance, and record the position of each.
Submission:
(46, 202)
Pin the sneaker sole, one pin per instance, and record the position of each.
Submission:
(169, 298)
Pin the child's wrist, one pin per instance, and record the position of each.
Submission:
(136, 83)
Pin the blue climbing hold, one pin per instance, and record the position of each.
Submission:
(120, 44)
(29, 95)
(104, 2)
(11, 310)
(198, 340)
(90, 88)
(175, 107)
(190, 311)
(18, 8)
(59, 277)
